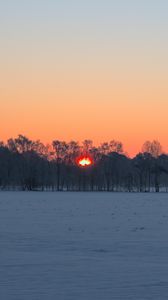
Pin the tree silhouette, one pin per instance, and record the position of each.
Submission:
(30, 165)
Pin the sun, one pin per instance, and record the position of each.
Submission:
(85, 161)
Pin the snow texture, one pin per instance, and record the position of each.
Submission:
(83, 246)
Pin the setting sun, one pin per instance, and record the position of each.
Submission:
(85, 161)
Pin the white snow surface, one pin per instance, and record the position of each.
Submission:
(83, 246)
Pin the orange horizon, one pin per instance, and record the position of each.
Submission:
(131, 153)
(100, 73)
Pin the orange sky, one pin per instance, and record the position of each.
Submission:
(97, 74)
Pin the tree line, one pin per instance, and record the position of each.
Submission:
(31, 165)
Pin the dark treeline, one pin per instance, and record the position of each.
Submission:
(30, 165)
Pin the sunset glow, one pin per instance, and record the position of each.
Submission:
(85, 162)
(75, 70)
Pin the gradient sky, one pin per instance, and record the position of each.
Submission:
(76, 69)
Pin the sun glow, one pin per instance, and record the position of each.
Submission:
(85, 161)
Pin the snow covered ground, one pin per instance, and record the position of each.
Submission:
(83, 246)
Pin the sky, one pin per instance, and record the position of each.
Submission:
(77, 69)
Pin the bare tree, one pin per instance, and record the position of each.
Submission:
(31, 165)
(60, 148)
(154, 148)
